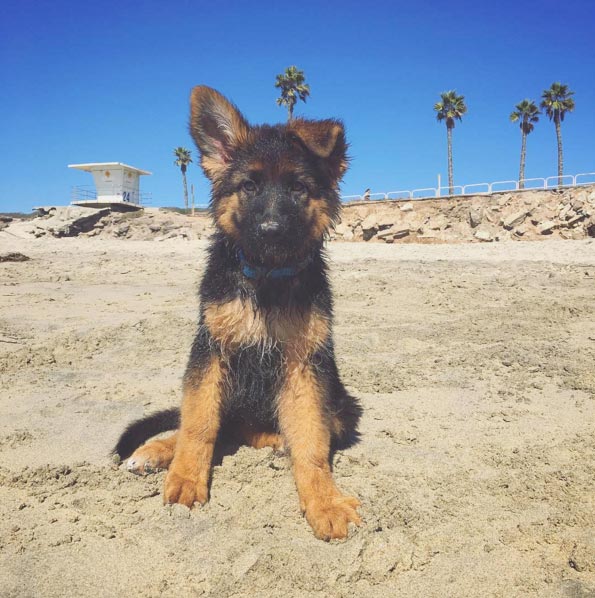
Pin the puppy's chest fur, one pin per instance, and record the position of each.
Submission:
(259, 345)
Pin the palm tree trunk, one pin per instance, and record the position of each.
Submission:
(451, 189)
(185, 191)
(289, 112)
(560, 155)
(522, 168)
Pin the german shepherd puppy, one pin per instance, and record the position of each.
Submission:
(262, 366)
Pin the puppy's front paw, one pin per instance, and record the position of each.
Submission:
(330, 516)
(183, 490)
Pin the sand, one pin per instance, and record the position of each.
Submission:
(476, 368)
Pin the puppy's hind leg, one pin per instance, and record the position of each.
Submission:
(153, 456)
(258, 438)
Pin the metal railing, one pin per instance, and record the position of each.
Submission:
(551, 182)
(88, 193)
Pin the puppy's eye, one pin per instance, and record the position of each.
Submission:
(249, 186)
(298, 187)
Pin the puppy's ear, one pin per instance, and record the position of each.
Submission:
(218, 128)
(326, 140)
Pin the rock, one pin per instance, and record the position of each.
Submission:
(407, 207)
(483, 235)
(547, 227)
(70, 221)
(348, 236)
(385, 221)
(438, 223)
(490, 216)
(369, 223)
(384, 234)
(475, 217)
(514, 219)
(577, 218)
(154, 228)
(504, 199)
(14, 257)
(564, 211)
(399, 233)
(122, 230)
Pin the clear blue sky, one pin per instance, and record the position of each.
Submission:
(109, 81)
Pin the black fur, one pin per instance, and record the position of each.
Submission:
(140, 431)
(299, 163)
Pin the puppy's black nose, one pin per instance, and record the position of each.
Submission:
(270, 228)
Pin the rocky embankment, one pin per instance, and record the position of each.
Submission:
(529, 215)
(141, 225)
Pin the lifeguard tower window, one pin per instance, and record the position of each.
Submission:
(116, 184)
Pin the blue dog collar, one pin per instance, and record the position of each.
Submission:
(260, 272)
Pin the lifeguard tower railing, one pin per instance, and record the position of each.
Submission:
(551, 182)
(80, 193)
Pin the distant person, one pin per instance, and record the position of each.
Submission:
(366, 195)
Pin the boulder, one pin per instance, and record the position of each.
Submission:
(370, 223)
(70, 221)
(546, 227)
(504, 199)
(385, 221)
(438, 222)
(514, 219)
(483, 235)
(475, 217)
(348, 235)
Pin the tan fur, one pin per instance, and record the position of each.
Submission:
(188, 476)
(320, 221)
(227, 208)
(156, 454)
(213, 168)
(320, 137)
(237, 323)
(259, 438)
(307, 433)
(226, 118)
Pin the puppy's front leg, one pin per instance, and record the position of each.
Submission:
(187, 480)
(307, 432)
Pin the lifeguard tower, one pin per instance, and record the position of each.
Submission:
(117, 186)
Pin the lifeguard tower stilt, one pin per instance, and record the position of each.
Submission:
(116, 186)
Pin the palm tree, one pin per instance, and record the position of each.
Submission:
(557, 101)
(450, 108)
(528, 113)
(183, 158)
(292, 86)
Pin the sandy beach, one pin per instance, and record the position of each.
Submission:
(475, 365)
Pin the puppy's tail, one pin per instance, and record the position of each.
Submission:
(141, 430)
